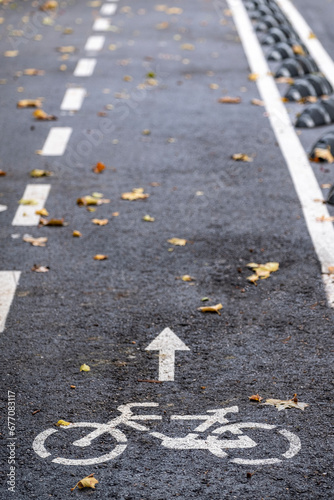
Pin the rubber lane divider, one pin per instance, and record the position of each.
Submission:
(304, 180)
(36, 194)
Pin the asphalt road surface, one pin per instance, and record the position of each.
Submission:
(135, 86)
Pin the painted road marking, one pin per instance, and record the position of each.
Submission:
(108, 9)
(56, 141)
(101, 24)
(85, 67)
(305, 183)
(26, 214)
(73, 99)
(167, 343)
(3, 208)
(314, 46)
(95, 43)
(8, 283)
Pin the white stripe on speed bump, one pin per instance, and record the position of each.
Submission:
(95, 43)
(85, 67)
(8, 283)
(305, 183)
(315, 48)
(26, 214)
(108, 9)
(73, 99)
(101, 24)
(56, 141)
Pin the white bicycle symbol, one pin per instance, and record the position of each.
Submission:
(192, 441)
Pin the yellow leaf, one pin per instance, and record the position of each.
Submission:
(88, 200)
(63, 423)
(271, 266)
(325, 219)
(115, 214)
(146, 131)
(253, 278)
(180, 242)
(100, 257)
(76, 234)
(215, 308)
(49, 5)
(28, 202)
(298, 49)
(84, 368)
(257, 102)
(53, 222)
(187, 46)
(39, 114)
(36, 172)
(312, 35)
(162, 26)
(135, 194)
(214, 86)
(100, 222)
(242, 157)
(174, 10)
(186, 277)
(86, 482)
(33, 72)
(11, 53)
(229, 100)
(68, 49)
(282, 404)
(324, 154)
(148, 218)
(43, 212)
(253, 77)
(29, 103)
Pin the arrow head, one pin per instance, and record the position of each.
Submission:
(167, 340)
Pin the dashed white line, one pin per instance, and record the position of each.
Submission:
(56, 141)
(8, 283)
(85, 67)
(108, 9)
(73, 99)
(305, 183)
(26, 214)
(95, 43)
(101, 24)
(314, 46)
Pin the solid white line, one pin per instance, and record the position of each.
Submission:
(85, 67)
(317, 51)
(101, 24)
(26, 214)
(73, 99)
(95, 43)
(56, 141)
(8, 283)
(108, 9)
(305, 183)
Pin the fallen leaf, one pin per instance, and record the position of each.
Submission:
(162, 26)
(2, 173)
(97, 195)
(86, 482)
(11, 53)
(262, 271)
(255, 397)
(325, 219)
(215, 308)
(257, 102)
(29, 103)
(282, 404)
(179, 242)
(88, 200)
(298, 50)
(186, 277)
(25, 201)
(127, 78)
(84, 368)
(174, 10)
(153, 82)
(63, 423)
(285, 79)
(49, 5)
(100, 222)
(68, 49)
(146, 131)
(53, 222)
(99, 167)
(100, 257)
(312, 35)
(205, 299)
(241, 157)
(115, 214)
(40, 269)
(135, 194)
(253, 77)
(326, 186)
(330, 269)
(36, 172)
(187, 46)
(229, 100)
(33, 72)
(36, 242)
(324, 154)
(214, 86)
(43, 212)
(39, 114)
(76, 234)
(148, 218)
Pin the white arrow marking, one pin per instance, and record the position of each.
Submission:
(167, 343)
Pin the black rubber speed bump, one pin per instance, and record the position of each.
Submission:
(297, 66)
(270, 21)
(330, 197)
(282, 34)
(263, 10)
(317, 114)
(310, 85)
(324, 144)
(255, 4)
(285, 50)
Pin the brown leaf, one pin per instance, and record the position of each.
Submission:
(312, 35)
(324, 154)
(37, 172)
(257, 102)
(35, 242)
(255, 397)
(39, 114)
(135, 194)
(49, 5)
(298, 50)
(68, 49)
(40, 269)
(100, 222)
(2, 173)
(53, 222)
(228, 99)
(29, 103)
(282, 404)
(100, 257)
(242, 157)
(325, 219)
(179, 242)
(11, 53)
(285, 79)
(43, 212)
(99, 167)
(86, 482)
(88, 200)
(215, 308)
(33, 72)
(76, 234)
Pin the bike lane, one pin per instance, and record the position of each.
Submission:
(270, 339)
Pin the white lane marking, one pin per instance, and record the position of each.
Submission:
(26, 214)
(85, 67)
(167, 343)
(101, 24)
(3, 208)
(108, 9)
(95, 43)
(8, 283)
(73, 99)
(56, 141)
(314, 46)
(305, 183)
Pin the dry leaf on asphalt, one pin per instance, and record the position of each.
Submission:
(68, 49)
(36, 242)
(84, 368)
(99, 167)
(325, 219)
(135, 194)
(179, 242)
(100, 222)
(86, 482)
(76, 234)
(37, 172)
(94, 199)
(323, 154)
(298, 50)
(257, 102)
(100, 256)
(187, 46)
(262, 271)
(241, 157)
(63, 423)
(229, 100)
(52, 222)
(39, 114)
(40, 269)
(253, 77)
(255, 397)
(148, 218)
(33, 72)
(186, 277)
(26, 201)
(49, 5)
(11, 53)
(215, 308)
(282, 404)
(29, 103)
(43, 212)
